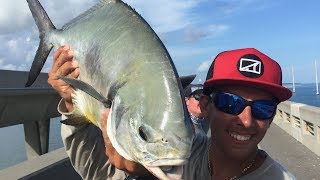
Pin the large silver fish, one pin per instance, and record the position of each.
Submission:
(125, 66)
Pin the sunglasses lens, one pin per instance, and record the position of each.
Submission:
(233, 104)
(263, 109)
(229, 103)
(196, 97)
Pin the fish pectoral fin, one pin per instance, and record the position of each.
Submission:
(87, 88)
(75, 121)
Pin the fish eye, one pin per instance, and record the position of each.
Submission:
(142, 134)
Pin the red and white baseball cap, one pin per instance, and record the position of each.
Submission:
(248, 67)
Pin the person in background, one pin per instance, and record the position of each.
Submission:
(192, 98)
(240, 96)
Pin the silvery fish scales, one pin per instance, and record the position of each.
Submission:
(122, 60)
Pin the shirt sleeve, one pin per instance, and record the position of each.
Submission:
(85, 147)
(197, 167)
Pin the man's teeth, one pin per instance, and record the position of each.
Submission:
(239, 137)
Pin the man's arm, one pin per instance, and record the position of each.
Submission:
(85, 148)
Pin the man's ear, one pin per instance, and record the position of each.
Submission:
(187, 100)
(204, 105)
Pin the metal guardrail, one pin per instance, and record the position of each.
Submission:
(302, 122)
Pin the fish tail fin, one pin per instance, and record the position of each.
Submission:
(45, 26)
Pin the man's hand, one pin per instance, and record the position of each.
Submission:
(64, 65)
(115, 158)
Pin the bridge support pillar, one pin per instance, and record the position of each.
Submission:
(37, 138)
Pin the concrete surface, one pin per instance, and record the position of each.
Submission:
(292, 154)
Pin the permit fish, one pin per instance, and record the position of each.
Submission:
(123, 66)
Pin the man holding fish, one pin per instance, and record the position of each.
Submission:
(241, 93)
(123, 109)
(124, 66)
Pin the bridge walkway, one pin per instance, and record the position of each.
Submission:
(292, 154)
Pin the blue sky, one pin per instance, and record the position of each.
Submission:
(194, 31)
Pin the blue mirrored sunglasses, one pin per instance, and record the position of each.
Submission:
(233, 104)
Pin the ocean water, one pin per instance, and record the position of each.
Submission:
(306, 94)
(12, 150)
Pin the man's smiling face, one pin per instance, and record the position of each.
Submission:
(236, 136)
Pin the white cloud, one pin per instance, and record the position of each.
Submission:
(217, 29)
(180, 53)
(8, 66)
(14, 15)
(17, 52)
(62, 11)
(229, 7)
(12, 44)
(19, 34)
(193, 34)
(166, 15)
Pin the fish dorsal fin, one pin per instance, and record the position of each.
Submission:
(88, 12)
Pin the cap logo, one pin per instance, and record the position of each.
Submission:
(250, 66)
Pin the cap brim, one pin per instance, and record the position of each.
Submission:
(280, 92)
(186, 80)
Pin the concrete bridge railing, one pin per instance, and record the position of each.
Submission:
(302, 122)
(32, 107)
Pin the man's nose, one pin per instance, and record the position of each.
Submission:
(246, 118)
